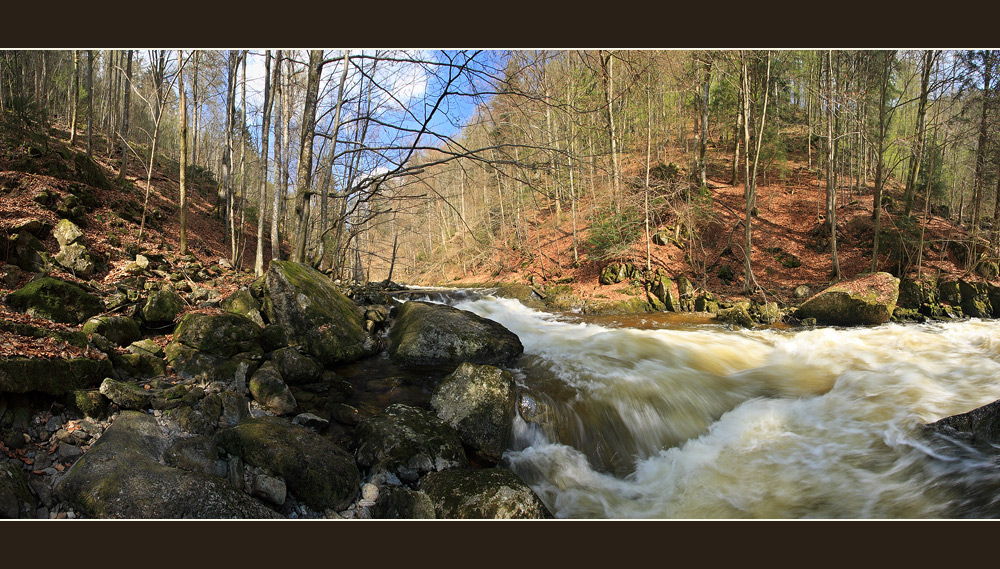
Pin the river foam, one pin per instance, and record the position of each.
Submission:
(710, 423)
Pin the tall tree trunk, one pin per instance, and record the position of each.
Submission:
(831, 189)
(75, 96)
(919, 131)
(304, 176)
(279, 187)
(608, 75)
(327, 168)
(984, 122)
(883, 126)
(258, 265)
(750, 186)
(90, 98)
(197, 110)
(124, 125)
(703, 135)
(183, 165)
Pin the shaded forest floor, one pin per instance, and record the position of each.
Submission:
(788, 249)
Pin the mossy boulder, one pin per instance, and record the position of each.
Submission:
(91, 403)
(122, 330)
(223, 335)
(478, 401)
(521, 292)
(51, 375)
(243, 303)
(489, 493)
(76, 259)
(866, 300)
(30, 254)
(737, 315)
(401, 503)
(402, 443)
(268, 389)
(89, 172)
(975, 299)
(162, 307)
(66, 232)
(16, 500)
(315, 315)
(435, 334)
(55, 300)
(296, 368)
(317, 471)
(126, 395)
(100, 487)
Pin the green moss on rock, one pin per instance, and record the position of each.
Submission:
(55, 300)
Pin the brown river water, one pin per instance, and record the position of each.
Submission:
(677, 416)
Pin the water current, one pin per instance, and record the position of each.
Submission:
(667, 416)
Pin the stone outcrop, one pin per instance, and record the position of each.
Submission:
(315, 315)
(478, 401)
(403, 443)
(435, 334)
(490, 493)
(100, 487)
(866, 300)
(316, 471)
(55, 300)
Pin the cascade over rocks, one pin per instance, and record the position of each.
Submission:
(478, 401)
(317, 471)
(435, 334)
(490, 493)
(99, 486)
(868, 299)
(315, 315)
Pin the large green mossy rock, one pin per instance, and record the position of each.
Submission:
(224, 334)
(315, 315)
(489, 493)
(316, 470)
(122, 330)
(55, 300)
(162, 307)
(51, 375)
(121, 476)
(478, 401)
(435, 334)
(866, 300)
(16, 500)
(407, 442)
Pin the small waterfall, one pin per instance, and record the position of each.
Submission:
(709, 422)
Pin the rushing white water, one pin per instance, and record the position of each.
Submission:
(715, 423)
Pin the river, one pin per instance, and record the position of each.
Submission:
(666, 416)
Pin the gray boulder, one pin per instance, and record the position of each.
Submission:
(122, 330)
(268, 389)
(866, 300)
(100, 487)
(296, 368)
(435, 334)
(490, 493)
(315, 315)
(216, 347)
(400, 503)
(318, 472)
(478, 401)
(55, 300)
(75, 258)
(51, 375)
(126, 395)
(162, 307)
(404, 443)
(16, 500)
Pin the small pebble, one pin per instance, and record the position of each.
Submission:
(369, 491)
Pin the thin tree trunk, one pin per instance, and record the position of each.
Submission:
(703, 136)
(279, 188)
(919, 134)
(304, 176)
(183, 165)
(880, 158)
(258, 265)
(831, 189)
(90, 98)
(75, 96)
(124, 127)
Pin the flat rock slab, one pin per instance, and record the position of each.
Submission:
(121, 477)
(51, 375)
